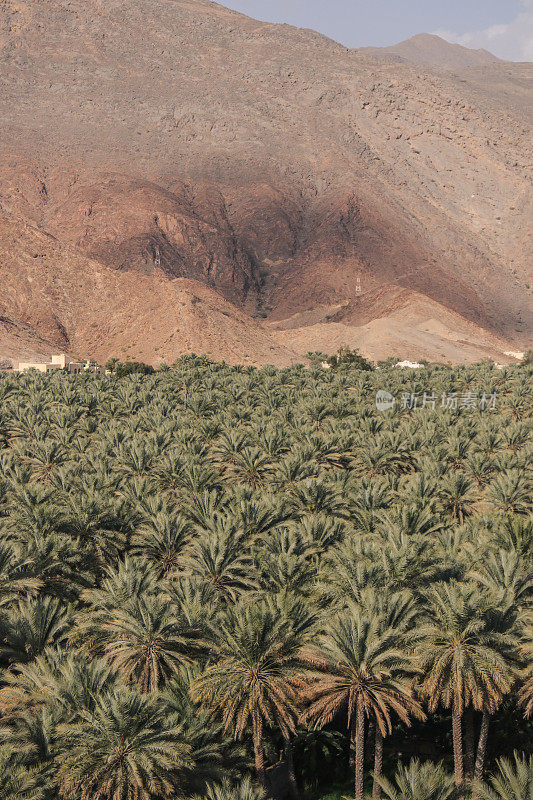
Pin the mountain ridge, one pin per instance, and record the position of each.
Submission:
(433, 51)
(281, 170)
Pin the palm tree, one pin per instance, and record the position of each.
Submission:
(315, 497)
(507, 575)
(92, 518)
(17, 575)
(510, 492)
(126, 581)
(31, 735)
(245, 790)
(457, 448)
(320, 532)
(285, 563)
(526, 691)
(405, 561)
(362, 668)
(464, 658)
(46, 458)
(35, 625)
(215, 754)
(457, 495)
(146, 640)
(479, 468)
(220, 558)
(512, 781)
(17, 782)
(369, 502)
(123, 748)
(39, 695)
(509, 583)
(515, 533)
(256, 515)
(294, 608)
(250, 465)
(293, 468)
(253, 678)
(427, 781)
(162, 540)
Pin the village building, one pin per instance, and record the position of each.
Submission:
(61, 361)
(409, 364)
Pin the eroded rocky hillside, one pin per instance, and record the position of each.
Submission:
(316, 194)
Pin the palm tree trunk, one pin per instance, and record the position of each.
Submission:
(352, 747)
(259, 754)
(359, 750)
(457, 747)
(289, 760)
(378, 764)
(469, 743)
(370, 738)
(481, 748)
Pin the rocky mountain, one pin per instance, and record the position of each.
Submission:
(60, 298)
(432, 51)
(176, 176)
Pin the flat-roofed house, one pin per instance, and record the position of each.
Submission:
(40, 366)
(92, 366)
(61, 361)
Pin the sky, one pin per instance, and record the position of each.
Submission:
(505, 27)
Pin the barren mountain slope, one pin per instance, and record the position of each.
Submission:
(432, 51)
(271, 164)
(402, 321)
(88, 309)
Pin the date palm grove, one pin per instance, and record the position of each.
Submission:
(230, 583)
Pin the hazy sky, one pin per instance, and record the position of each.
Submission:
(503, 26)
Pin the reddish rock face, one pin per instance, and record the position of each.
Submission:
(303, 183)
(133, 224)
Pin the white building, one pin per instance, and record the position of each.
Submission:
(409, 364)
(61, 361)
(40, 366)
